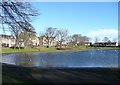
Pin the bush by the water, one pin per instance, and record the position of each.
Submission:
(17, 47)
(63, 48)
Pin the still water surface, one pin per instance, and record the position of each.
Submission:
(88, 58)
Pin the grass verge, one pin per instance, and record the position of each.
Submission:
(53, 49)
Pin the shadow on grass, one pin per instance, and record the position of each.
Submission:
(17, 74)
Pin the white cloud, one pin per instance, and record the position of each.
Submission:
(101, 33)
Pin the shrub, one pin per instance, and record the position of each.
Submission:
(63, 48)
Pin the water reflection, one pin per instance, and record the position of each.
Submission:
(24, 59)
(89, 58)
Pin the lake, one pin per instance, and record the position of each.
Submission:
(78, 59)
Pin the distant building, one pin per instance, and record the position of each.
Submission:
(44, 41)
(88, 43)
(7, 40)
(35, 41)
(105, 44)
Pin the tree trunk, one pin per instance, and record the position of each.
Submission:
(15, 43)
(48, 44)
(60, 44)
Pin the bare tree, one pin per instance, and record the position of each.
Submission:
(97, 39)
(26, 38)
(23, 38)
(114, 39)
(41, 37)
(17, 13)
(61, 36)
(76, 39)
(50, 35)
(106, 39)
(69, 40)
(17, 17)
(15, 31)
(83, 40)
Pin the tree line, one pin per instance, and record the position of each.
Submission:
(17, 17)
(61, 35)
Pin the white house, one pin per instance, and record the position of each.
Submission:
(7, 40)
(35, 41)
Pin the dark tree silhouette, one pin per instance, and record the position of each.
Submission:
(50, 35)
(17, 14)
(62, 35)
(17, 17)
(76, 39)
(105, 39)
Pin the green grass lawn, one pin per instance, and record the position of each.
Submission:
(41, 49)
(9, 50)
(53, 49)
(8, 79)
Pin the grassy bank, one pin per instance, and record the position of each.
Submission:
(9, 50)
(44, 49)
(8, 79)
(17, 74)
(41, 49)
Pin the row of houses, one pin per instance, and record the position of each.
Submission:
(9, 41)
(103, 44)
(106, 44)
